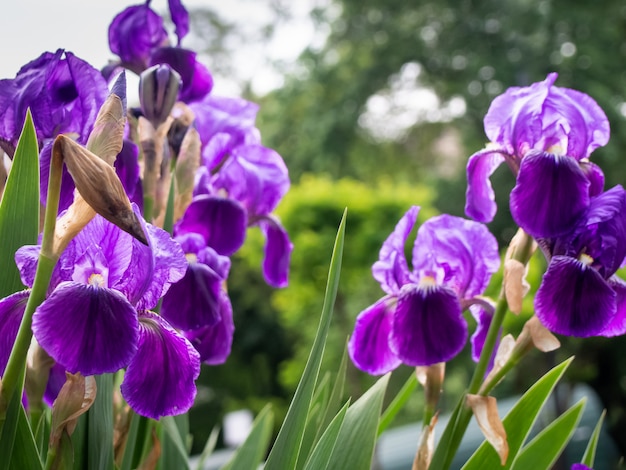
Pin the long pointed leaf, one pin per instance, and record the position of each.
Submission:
(355, 444)
(325, 446)
(545, 448)
(397, 403)
(519, 421)
(284, 453)
(100, 426)
(590, 452)
(252, 451)
(174, 432)
(17, 444)
(19, 209)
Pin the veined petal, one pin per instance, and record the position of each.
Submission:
(391, 269)
(480, 199)
(595, 176)
(160, 379)
(88, 329)
(11, 313)
(214, 342)
(464, 250)
(369, 346)
(551, 194)
(277, 252)
(428, 326)
(573, 299)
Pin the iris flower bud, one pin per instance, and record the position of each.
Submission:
(158, 92)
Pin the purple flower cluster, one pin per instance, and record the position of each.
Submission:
(97, 316)
(419, 322)
(546, 135)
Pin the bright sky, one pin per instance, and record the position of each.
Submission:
(30, 27)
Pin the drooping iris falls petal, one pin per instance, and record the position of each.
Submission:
(573, 299)
(369, 346)
(428, 326)
(551, 193)
(86, 328)
(160, 379)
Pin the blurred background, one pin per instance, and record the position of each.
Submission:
(376, 105)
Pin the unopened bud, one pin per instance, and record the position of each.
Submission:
(99, 185)
(107, 135)
(158, 92)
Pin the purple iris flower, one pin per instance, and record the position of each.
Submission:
(95, 319)
(580, 294)
(419, 321)
(63, 92)
(541, 131)
(138, 37)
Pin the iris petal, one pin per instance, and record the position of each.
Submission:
(428, 326)
(573, 299)
(369, 346)
(480, 202)
(160, 379)
(391, 269)
(193, 302)
(214, 342)
(221, 221)
(11, 313)
(278, 250)
(551, 193)
(88, 329)
(617, 325)
(464, 250)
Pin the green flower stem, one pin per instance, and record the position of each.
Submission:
(522, 252)
(13, 381)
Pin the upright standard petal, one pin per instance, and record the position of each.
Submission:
(391, 269)
(134, 34)
(480, 199)
(573, 299)
(63, 92)
(256, 176)
(550, 195)
(160, 379)
(88, 329)
(463, 252)
(233, 116)
(369, 346)
(428, 326)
